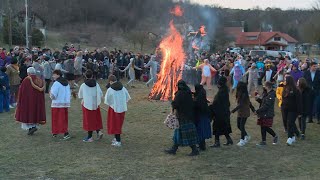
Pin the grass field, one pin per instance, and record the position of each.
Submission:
(141, 156)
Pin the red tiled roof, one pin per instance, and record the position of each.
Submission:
(262, 39)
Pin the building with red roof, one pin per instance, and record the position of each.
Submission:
(266, 41)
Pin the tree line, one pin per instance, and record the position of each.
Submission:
(138, 17)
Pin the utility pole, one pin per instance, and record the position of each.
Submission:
(27, 24)
(10, 23)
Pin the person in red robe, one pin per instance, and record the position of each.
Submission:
(31, 109)
(116, 98)
(91, 95)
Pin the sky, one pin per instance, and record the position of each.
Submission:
(247, 4)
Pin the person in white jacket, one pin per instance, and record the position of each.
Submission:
(91, 95)
(131, 67)
(60, 94)
(116, 98)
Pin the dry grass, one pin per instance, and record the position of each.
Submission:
(142, 157)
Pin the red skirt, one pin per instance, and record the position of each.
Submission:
(265, 122)
(114, 121)
(59, 120)
(92, 120)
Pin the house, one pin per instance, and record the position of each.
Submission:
(266, 41)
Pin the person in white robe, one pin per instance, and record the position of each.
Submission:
(153, 70)
(131, 67)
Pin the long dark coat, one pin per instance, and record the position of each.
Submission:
(220, 112)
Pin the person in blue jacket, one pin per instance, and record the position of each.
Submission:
(4, 91)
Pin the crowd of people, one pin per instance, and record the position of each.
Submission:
(27, 74)
(295, 83)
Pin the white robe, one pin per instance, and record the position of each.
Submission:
(117, 100)
(60, 95)
(91, 96)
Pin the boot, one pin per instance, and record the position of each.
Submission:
(202, 145)
(216, 144)
(172, 150)
(229, 141)
(195, 151)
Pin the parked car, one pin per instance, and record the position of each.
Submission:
(235, 50)
(265, 53)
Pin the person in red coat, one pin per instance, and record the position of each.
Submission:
(116, 98)
(31, 109)
(91, 95)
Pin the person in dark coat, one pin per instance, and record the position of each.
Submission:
(265, 113)
(202, 116)
(186, 134)
(243, 109)
(291, 108)
(4, 90)
(23, 70)
(220, 112)
(306, 92)
(312, 77)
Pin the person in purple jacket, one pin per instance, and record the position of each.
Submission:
(296, 73)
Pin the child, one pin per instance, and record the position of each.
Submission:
(265, 113)
(60, 94)
(279, 97)
(91, 94)
(4, 90)
(116, 98)
(243, 108)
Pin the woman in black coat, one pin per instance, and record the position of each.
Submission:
(220, 112)
(186, 134)
(202, 116)
(306, 96)
(291, 108)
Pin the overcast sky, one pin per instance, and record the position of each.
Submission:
(246, 4)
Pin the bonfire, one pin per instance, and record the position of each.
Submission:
(173, 60)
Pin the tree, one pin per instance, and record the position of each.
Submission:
(138, 37)
(37, 37)
(18, 36)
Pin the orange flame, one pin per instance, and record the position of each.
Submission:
(202, 30)
(173, 61)
(177, 11)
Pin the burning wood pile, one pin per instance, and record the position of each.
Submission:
(173, 60)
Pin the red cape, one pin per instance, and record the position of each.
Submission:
(31, 102)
